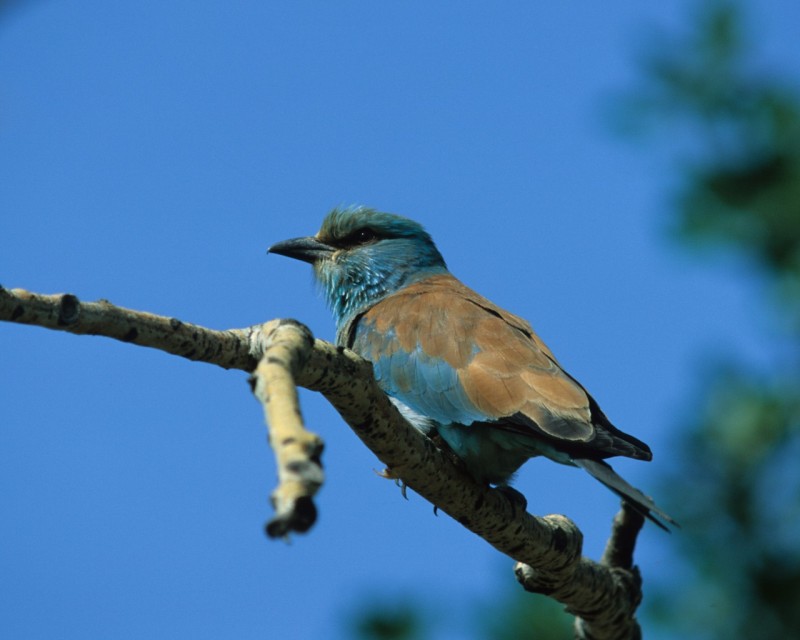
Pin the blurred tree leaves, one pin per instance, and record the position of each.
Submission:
(736, 131)
(508, 614)
(390, 621)
(522, 616)
(738, 128)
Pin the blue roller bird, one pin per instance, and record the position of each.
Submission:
(453, 362)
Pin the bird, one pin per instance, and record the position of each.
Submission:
(455, 364)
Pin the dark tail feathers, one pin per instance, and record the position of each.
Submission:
(604, 473)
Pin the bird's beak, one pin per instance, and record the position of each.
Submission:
(306, 249)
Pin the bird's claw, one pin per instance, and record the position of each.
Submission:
(388, 474)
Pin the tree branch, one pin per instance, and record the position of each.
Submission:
(286, 347)
(282, 353)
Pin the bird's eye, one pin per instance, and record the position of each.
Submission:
(362, 236)
(359, 237)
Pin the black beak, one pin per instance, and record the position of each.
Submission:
(305, 249)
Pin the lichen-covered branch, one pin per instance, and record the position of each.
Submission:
(605, 598)
(65, 312)
(603, 595)
(286, 346)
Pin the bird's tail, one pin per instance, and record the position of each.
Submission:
(604, 473)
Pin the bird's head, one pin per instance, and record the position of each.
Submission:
(361, 255)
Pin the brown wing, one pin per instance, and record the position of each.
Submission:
(502, 365)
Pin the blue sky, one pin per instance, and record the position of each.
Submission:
(152, 151)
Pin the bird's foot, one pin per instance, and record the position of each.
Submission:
(388, 474)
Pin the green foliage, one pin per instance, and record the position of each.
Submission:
(394, 621)
(738, 492)
(523, 616)
(741, 128)
(511, 614)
